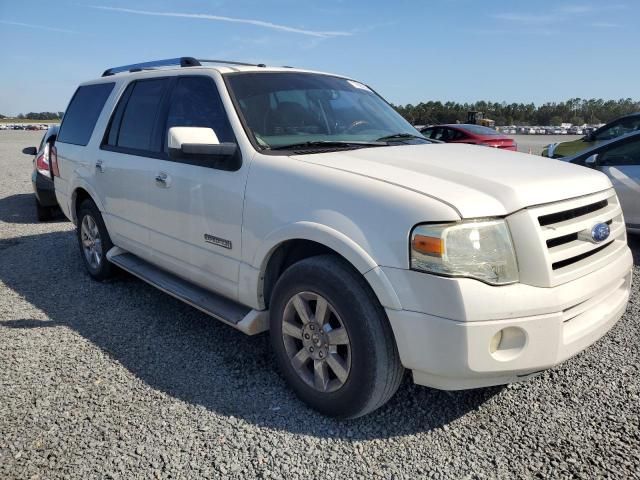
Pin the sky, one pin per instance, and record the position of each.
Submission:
(408, 50)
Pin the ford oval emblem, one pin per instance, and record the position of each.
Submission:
(600, 232)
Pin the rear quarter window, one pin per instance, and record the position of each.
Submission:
(83, 112)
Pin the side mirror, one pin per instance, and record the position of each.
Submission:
(200, 145)
(30, 151)
(592, 160)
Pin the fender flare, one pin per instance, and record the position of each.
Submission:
(336, 241)
(81, 183)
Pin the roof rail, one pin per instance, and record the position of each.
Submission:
(170, 62)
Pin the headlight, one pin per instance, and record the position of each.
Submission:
(478, 249)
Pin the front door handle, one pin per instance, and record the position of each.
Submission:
(162, 180)
(99, 166)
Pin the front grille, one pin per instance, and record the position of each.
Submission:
(572, 213)
(565, 228)
(572, 260)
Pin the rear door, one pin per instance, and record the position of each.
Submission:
(195, 212)
(76, 141)
(127, 160)
(621, 163)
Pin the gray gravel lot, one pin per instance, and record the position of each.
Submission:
(119, 380)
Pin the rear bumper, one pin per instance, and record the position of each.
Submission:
(453, 352)
(43, 189)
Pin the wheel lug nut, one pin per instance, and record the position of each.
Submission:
(311, 349)
(320, 354)
(307, 336)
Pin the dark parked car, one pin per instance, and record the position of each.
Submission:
(46, 203)
(468, 133)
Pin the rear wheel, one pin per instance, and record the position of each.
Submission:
(332, 340)
(94, 241)
(43, 213)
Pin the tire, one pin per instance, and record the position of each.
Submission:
(94, 241)
(43, 213)
(357, 377)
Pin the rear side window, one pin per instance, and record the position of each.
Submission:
(83, 112)
(140, 116)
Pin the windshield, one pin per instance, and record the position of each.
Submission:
(291, 109)
(622, 127)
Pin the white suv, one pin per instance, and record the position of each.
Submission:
(302, 203)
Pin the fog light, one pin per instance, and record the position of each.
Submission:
(508, 343)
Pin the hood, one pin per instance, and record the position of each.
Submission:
(566, 149)
(476, 181)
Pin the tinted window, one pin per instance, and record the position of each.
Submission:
(83, 111)
(116, 119)
(624, 126)
(625, 154)
(479, 130)
(439, 134)
(195, 102)
(140, 115)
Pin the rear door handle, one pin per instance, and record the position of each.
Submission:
(99, 166)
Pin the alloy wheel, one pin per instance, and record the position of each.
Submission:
(91, 242)
(316, 341)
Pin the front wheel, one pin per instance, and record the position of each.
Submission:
(94, 241)
(332, 340)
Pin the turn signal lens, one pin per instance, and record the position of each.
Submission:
(427, 245)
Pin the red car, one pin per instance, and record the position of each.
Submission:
(466, 133)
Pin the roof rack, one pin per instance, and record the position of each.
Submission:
(170, 62)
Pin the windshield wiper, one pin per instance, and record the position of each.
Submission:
(329, 144)
(401, 136)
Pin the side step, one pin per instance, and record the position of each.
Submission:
(232, 313)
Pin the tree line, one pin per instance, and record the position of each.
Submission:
(577, 111)
(38, 116)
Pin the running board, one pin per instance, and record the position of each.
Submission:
(232, 313)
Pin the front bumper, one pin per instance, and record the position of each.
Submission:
(444, 331)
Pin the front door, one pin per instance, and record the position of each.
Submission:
(195, 210)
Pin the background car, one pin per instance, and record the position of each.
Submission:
(46, 203)
(614, 129)
(467, 133)
(619, 159)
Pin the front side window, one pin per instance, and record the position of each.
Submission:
(622, 127)
(195, 102)
(620, 155)
(140, 115)
(479, 130)
(287, 109)
(82, 113)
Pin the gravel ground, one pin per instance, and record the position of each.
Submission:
(119, 380)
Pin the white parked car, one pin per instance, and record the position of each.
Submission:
(619, 159)
(301, 203)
